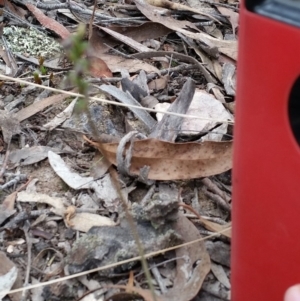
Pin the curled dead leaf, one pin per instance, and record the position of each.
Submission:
(174, 161)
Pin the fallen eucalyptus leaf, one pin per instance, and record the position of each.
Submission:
(173, 161)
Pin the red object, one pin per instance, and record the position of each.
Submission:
(266, 172)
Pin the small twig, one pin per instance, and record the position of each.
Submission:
(150, 76)
(220, 4)
(41, 76)
(4, 164)
(23, 22)
(125, 7)
(219, 200)
(51, 6)
(226, 188)
(29, 248)
(84, 16)
(216, 220)
(176, 55)
(23, 216)
(92, 20)
(206, 232)
(158, 278)
(227, 6)
(13, 182)
(214, 188)
(190, 208)
(125, 21)
(205, 23)
(159, 264)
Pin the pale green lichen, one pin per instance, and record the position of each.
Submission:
(28, 41)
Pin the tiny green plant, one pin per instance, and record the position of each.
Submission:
(76, 48)
(37, 78)
(42, 68)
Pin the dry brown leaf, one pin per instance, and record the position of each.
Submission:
(231, 15)
(126, 40)
(100, 42)
(84, 221)
(229, 48)
(152, 13)
(118, 63)
(130, 283)
(34, 197)
(99, 46)
(158, 83)
(68, 214)
(16, 10)
(180, 7)
(9, 202)
(39, 106)
(48, 22)
(173, 161)
(98, 67)
(214, 227)
(148, 30)
(211, 226)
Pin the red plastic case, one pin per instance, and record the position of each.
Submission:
(266, 172)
